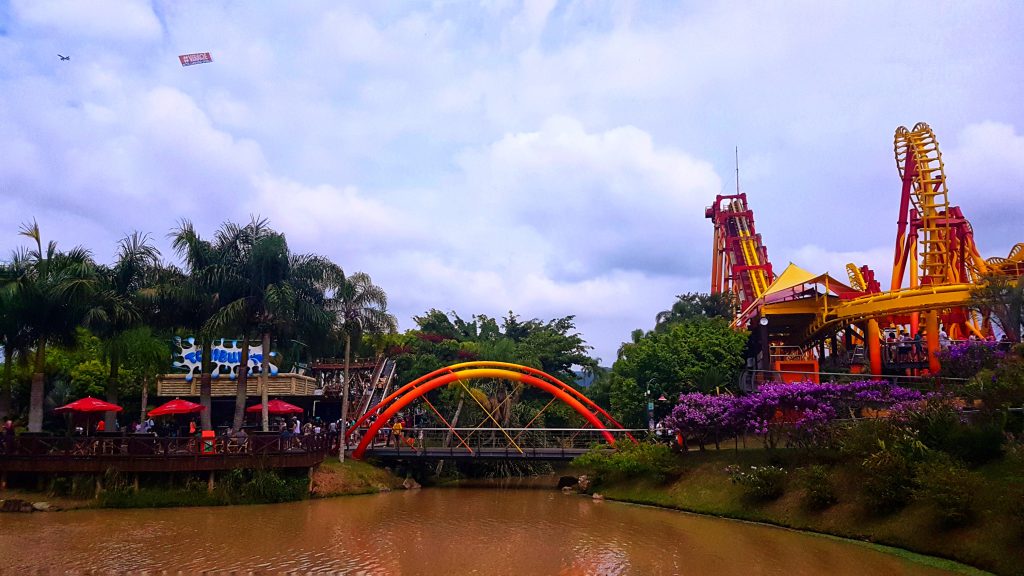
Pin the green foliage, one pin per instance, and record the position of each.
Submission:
(627, 402)
(819, 493)
(1000, 387)
(694, 355)
(759, 483)
(940, 426)
(677, 360)
(89, 378)
(238, 486)
(693, 305)
(889, 478)
(643, 460)
(1002, 298)
(950, 488)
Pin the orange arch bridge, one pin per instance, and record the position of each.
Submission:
(404, 396)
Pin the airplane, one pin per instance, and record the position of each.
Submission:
(62, 57)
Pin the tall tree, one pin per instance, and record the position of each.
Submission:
(273, 290)
(54, 288)
(193, 296)
(126, 289)
(14, 336)
(696, 305)
(359, 307)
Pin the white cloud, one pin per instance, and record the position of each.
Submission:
(126, 20)
(552, 158)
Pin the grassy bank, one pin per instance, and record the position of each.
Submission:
(993, 539)
(235, 487)
(335, 478)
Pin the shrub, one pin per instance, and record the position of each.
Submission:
(818, 491)
(760, 483)
(859, 439)
(889, 472)
(940, 424)
(966, 359)
(628, 460)
(950, 488)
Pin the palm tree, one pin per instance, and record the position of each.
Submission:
(125, 290)
(53, 288)
(194, 295)
(273, 290)
(359, 307)
(13, 334)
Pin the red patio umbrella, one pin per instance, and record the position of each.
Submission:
(89, 404)
(176, 406)
(276, 407)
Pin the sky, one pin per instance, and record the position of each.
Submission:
(549, 158)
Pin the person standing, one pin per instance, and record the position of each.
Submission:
(396, 431)
(8, 440)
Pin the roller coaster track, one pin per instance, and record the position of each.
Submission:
(893, 302)
(740, 260)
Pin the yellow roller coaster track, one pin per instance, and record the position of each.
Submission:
(935, 297)
(758, 278)
(930, 198)
(857, 281)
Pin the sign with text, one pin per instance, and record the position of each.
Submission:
(197, 58)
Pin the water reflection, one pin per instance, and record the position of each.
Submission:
(463, 531)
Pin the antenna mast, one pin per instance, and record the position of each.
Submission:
(737, 169)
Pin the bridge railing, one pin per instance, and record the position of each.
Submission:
(149, 445)
(511, 440)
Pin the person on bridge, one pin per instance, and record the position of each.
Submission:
(396, 431)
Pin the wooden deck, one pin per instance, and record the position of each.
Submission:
(281, 385)
(143, 453)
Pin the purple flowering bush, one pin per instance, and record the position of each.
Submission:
(966, 359)
(798, 414)
(703, 418)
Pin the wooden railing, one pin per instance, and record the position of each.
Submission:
(281, 385)
(143, 452)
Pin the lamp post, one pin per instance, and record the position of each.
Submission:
(766, 352)
(650, 412)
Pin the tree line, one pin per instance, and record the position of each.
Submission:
(244, 282)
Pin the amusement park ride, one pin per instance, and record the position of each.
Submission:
(936, 265)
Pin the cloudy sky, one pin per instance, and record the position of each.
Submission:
(547, 157)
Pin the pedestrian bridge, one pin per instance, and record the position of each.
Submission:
(492, 437)
(493, 443)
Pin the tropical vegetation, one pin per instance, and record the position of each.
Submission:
(71, 326)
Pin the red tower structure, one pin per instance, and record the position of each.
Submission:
(739, 263)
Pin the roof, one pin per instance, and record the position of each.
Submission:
(794, 276)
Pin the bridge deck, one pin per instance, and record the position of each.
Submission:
(477, 454)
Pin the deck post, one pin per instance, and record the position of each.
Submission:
(99, 485)
(3, 479)
(135, 483)
(210, 482)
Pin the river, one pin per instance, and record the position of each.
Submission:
(427, 532)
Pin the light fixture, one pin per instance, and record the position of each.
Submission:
(763, 321)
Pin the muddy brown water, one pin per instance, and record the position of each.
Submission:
(439, 531)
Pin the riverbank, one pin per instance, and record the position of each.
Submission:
(238, 487)
(993, 540)
(351, 477)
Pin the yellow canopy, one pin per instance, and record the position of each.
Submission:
(791, 277)
(794, 276)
